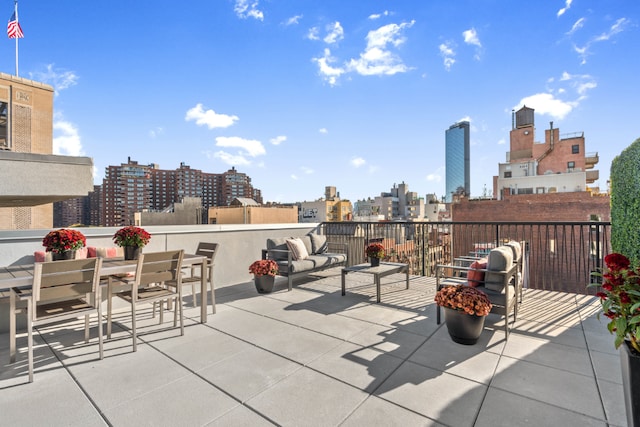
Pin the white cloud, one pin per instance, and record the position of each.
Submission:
(245, 9)
(434, 177)
(231, 159)
(375, 16)
(56, 77)
(576, 26)
(335, 33)
(619, 26)
(567, 6)
(248, 147)
(209, 118)
(293, 20)
(323, 130)
(377, 59)
(471, 37)
(326, 70)
(358, 162)
(448, 54)
(153, 133)
(546, 103)
(66, 139)
(306, 170)
(312, 34)
(502, 141)
(278, 140)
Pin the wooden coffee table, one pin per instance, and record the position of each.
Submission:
(384, 269)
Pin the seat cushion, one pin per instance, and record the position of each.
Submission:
(318, 243)
(500, 259)
(475, 277)
(516, 249)
(297, 248)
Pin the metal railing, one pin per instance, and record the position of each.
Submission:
(558, 256)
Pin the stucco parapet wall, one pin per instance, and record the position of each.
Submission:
(29, 179)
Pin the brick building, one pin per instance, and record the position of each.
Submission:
(557, 165)
(131, 188)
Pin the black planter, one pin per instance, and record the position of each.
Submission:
(463, 328)
(630, 364)
(374, 262)
(131, 252)
(61, 256)
(264, 284)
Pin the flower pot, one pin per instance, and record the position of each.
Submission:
(61, 256)
(630, 364)
(264, 284)
(131, 252)
(374, 262)
(463, 328)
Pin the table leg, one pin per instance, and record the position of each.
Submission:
(377, 277)
(203, 291)
(407, 270)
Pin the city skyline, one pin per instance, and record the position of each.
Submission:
(300, 97)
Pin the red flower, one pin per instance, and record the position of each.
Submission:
(619, 295)
(64, 240)
(616, 261)
(263, 267)
(131, 236)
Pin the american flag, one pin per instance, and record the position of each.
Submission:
(14, 31)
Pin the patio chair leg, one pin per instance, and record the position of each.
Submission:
(162, 312)
(12, 327)
(86, 328)
(30, 338)
(193, 293)
(133, 326)
(100, 331)
(175, 314)
(109, 308)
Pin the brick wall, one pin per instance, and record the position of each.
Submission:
(577, 206)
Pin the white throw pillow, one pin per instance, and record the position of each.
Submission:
(297, 248)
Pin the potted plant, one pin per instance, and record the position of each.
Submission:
(264, 273)
(132, 239)
(620, 299)
(375, 252)
(63, 243)
(465, 308)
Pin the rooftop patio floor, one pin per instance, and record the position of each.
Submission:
(312, 357)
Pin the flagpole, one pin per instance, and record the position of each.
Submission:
(17, 20)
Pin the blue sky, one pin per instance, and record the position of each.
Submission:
(300, 95)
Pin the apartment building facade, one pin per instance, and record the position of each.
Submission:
(132, 187)
(559, 164)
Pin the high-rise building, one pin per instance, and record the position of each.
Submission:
(457, 160)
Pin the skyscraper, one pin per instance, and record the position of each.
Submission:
(457, 159)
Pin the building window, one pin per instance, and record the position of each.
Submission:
(507, 174)
(575, 149)
(571, 166)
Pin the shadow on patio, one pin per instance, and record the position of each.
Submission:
(315, 357)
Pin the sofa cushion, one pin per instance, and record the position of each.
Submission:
(279, 244)
(297, 248)
(500, 259)
(475, 277)
(308, 245)
(318, 243)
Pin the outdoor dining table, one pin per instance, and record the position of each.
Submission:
(16, 276)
